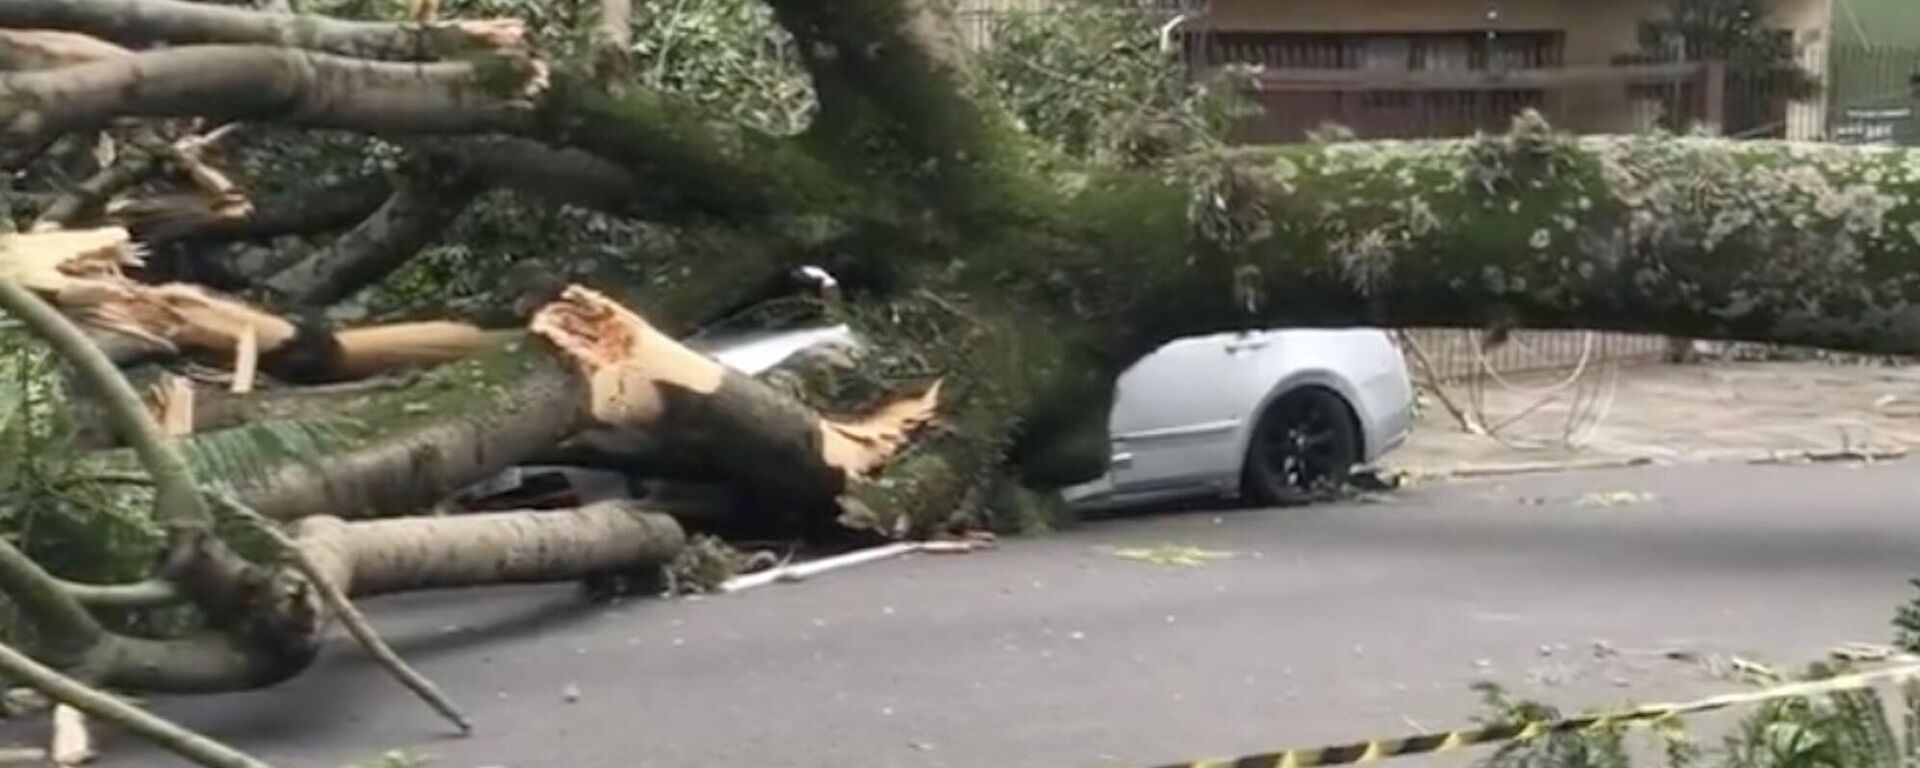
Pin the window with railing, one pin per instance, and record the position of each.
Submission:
(1383, 51)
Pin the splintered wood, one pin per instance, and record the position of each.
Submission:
(625, 360)
(629, 366)
(368, 351)
(172, 402)
(83, 273)
(499, 34)
(863, 445)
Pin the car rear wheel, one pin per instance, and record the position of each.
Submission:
(1303, 449)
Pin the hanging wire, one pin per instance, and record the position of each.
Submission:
(1591, 390)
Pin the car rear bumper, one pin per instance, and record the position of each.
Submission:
(1390, 401)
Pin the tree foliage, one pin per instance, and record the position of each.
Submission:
(1098, 81)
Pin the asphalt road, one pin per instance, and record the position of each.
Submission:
(1328, 623)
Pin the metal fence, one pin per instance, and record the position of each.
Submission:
(1873, 95)
(1455, 355)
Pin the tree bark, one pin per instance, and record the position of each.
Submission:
(459, 425)
(693, 164)
(191, 219)
(144, 23)
(47, 49)
(1708, 238)
(411, 554)
(427, 201)
(267, 84)
(557, 175)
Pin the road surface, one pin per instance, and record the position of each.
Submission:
(1327, 623)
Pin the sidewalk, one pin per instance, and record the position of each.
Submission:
(1661, 413)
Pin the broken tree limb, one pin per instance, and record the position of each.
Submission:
(236, 602)
(177, 499)
(382, 556)
(640, 379)
(263, 83)
(143, 23)
(199, 749)
(193, 218)
(422, 206)
(351, 618)
(81, 271)
(86, 199)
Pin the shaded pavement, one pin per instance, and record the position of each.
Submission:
(1328, 623)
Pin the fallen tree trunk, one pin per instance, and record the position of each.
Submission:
(1707, 238)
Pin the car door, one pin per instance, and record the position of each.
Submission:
(1177, 410)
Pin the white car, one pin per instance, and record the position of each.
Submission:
(1271, 417)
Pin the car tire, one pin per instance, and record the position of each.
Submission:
(1304, 448)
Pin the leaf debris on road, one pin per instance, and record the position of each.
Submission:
(1174, 555)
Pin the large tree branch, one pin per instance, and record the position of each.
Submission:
(641, 380)
(81, 271)
(262, 84)
(427, 201)
(459, 425)
(700, 163)
(558, 175)
(194, 219)
(381, 556)
(142, 23)
(226, 588)
(691, 162)
(66, 633)
(177, 498)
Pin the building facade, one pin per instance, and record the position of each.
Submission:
(1410, 68)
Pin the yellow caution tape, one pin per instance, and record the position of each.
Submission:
(1446, 741)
